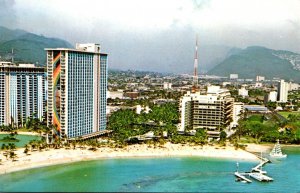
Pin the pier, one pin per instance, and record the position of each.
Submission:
(258, 168)
(256, 173)
(241, 176)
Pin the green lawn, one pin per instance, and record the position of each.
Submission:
(255, 118)
(286, 114)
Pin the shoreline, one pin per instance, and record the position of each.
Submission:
(51, 157)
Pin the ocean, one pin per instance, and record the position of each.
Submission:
(175, 174)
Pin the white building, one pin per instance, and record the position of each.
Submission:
(292, 86)
(233, 76)
(282, 91)
(167, 85)
(272, 96)
(238, 108)
(260, 78)
(115, 94)
(22, 93)
(77, 86)
(243, 91)
(212, 111)
(226, 83)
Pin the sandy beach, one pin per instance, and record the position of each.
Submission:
(60, 156)
(257, 148)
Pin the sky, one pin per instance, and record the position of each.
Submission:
(159, 35)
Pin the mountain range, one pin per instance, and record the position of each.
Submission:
(257, 60)
(219, 60)
(27, 47)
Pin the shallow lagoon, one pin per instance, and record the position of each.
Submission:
(180, 174)
(24, 139)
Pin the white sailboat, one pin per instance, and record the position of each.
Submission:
(276, 151)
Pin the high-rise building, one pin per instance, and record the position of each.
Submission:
(282, 91)
(212, 111)
(22, 93)
(77, 85)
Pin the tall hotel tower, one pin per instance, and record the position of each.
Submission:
(22, 93)
(77, 81)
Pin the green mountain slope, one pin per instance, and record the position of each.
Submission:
(7, 34)
(255, 60)
(29, 47)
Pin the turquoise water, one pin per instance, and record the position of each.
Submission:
(184, 174)
(24, 139)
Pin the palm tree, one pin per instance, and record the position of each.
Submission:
(11, 146)
(57, 143)
(12, 155)
(26, 150)
(93, 145)
(161, 142)
(74, 143)
(47, 130)
(5, 148)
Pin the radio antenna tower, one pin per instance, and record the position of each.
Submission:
(12, 55)
(195, 77)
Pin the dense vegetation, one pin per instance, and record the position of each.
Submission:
(162, 118)
(268, 128)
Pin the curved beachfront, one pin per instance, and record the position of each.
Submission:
(59, 156)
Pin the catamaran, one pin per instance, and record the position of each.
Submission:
(276, 151)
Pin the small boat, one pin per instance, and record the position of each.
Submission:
(276, 151)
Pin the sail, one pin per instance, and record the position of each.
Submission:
(276, 151)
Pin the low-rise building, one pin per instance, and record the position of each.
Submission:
(115, 94)
(256, 109)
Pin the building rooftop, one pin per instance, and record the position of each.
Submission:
(86, 48)
(256, 108)
(13, 66)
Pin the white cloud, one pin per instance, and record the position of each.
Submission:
(163, 14)
(137, 26)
